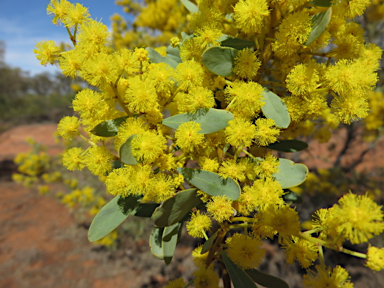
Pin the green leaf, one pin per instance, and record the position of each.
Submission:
(210, 120)
(239, 278)
(322, 3)
(237, 43)
(288, 146)
(290, 174)
(111, 216)
(191, 7)
(145, 209)
(125, 152)
(170, 236)
(108, 128)
(209, 243)
(211, 183)
(155, 242)
(292, 197)
(174, 53)
(266, 280)
(219, 60)
(274, 108)
(320, 22)
(156, 57)
(175, 208)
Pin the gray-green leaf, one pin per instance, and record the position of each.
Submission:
(274, 108)
(111, 216)
(211, 120)
(239, 278)
(266, 280)
(211, 183)
(156, 57)
(237, 43)
(125, 152)
(170, 236)
(290, 174)
(219, 60)
(320, 22)
(191, 7)
(108, 128)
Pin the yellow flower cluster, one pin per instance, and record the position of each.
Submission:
(261, 64)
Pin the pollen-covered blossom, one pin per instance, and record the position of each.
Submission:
(73, 159)
(197, 98)
(240, 132)
(350, 9)
(177, 283)
(198, 224)
(250, 14)
(148, 146)
(280, 219)
(208, 34)
(68, 127)
(206, 277)
(266, 192)
(303, 79)
(325, 277)
(46, 52)
(99, 160)
(71, 62)
(141, 95)
(230, 168)
(292, 34)
(118, 180)
(265, 132)
(189, 74)
(99, 69)
(133, 125)
(361, 217)
(245, 99)
(160, 188)
(60, 9)
(198, 258)
(188, 136)
(268, 166)
(375, 258)
(220, 208)
(128, 61)
(301, 250)
(93, 33)
(245, 251)
(246, 63)
(88, 103)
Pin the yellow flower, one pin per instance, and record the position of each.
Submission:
(177, 283)
(68, 127)
(73, 159)
(46, 52)
(265, 132)
(206, 277)
(198, 224)
(220, 208)
(249, 15)
(325, 277)
(245, 251)
(375, 258)
(246, 63)
(240, 132)
(188, 136)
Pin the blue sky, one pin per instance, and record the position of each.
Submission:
(23, 23)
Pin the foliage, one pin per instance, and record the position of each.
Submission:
(274, 70)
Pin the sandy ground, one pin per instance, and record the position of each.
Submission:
(42, 245)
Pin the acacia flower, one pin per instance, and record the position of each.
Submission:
(198, 224)
(375, 258)
(325, 277)
(73, 159)
(68, 127)
(245, 251)
(188, 136)
(249, 15)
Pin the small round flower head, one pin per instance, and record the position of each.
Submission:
(249, 15)
(246, 64)
(302, 80)
(267, 191)
(141, 54)
(71, 62)
(292, 34)
(60, 10)
(197, 98)
(78, 15)
(245, 99)
(301, 250)
(209, 164)
(375, 258)
(240, 132)
(267, 167)
(88, 103)
(161, 187)
(68, 127)
(133, 125)
(140, 181)
(98, 160)
(281, 219)
(118, 180)
(162, 75)
(350, 9)
(230, 168)
(198, 224)
(220, 208)
(191, 49)
(325, 277)
(198, 258)
(206, 277)
(350, 108)
(128, 61)
(46, 52)
(99, 69)
(362, 217)
(148, 146)
(188, 136)
(177, 283)
(73, 159)
(93, 33)
(245, 251)
(265, 132)
(141, 95)
(189, 74)
(208, 34)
